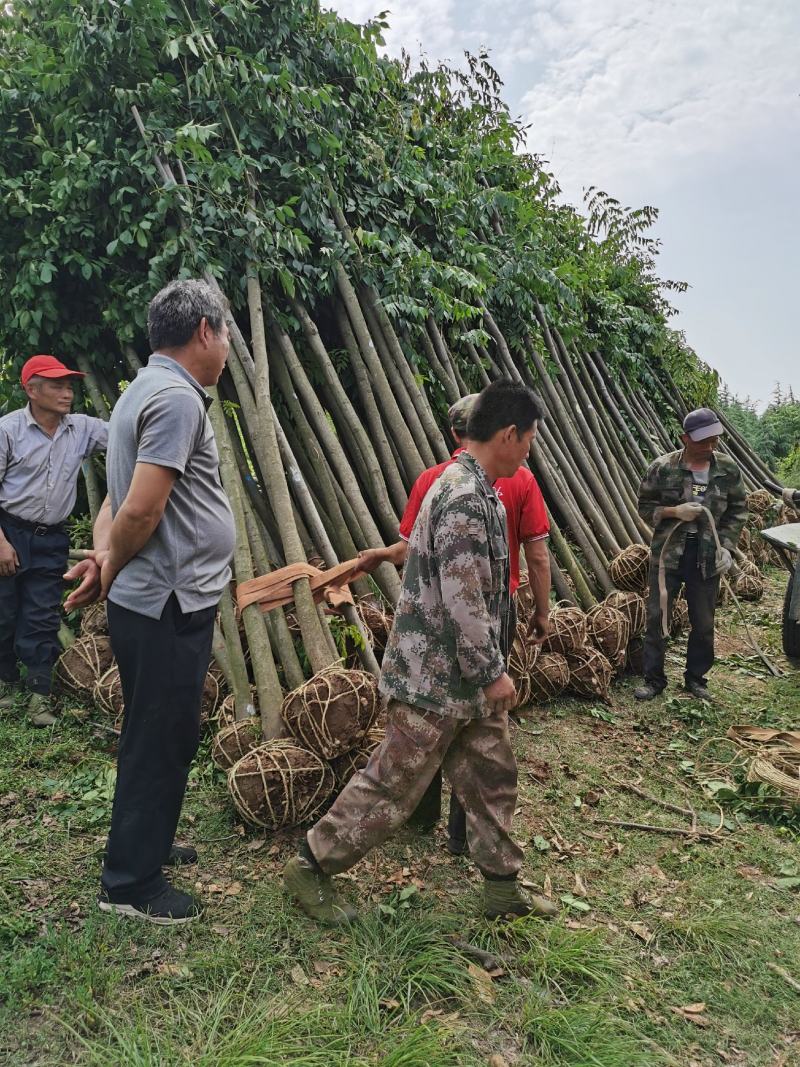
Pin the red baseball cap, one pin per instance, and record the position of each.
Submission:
(47, 367)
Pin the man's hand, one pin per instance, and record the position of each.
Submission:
(9, 561)
(369, 559)
(88, 572)
(688, 512)
(501, 696)
(539, 627)
(723, 561)
(108, 572)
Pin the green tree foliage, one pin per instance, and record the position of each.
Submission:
(775, 433)
(265, 111)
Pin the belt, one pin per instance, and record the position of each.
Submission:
(38, 529)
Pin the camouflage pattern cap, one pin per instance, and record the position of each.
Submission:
(459, 413)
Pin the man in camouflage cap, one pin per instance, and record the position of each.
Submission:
(444, 676)
(695, 501)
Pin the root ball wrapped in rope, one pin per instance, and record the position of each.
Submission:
(590, 673)
(567, 630)
(609, 629)
(633, 607)
(749, 585)
(108, 693)
(629, 569)
(521, 659)
(209, 700)
(346, 765)
(235, 740)
(378, 620)
(332, 711)
(679, 622)
(280, 784)
(549, 677)
(79, 666)
(759, 501)
(94, 619)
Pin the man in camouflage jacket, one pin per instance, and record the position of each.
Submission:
(444, 677)
(672, 496)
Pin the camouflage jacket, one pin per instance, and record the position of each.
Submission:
(452, 623)
(668, 483)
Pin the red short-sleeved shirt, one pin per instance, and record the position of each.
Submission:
(521, 496)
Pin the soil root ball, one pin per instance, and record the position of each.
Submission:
(107, 693)
(633, 606)
(236, 740)
(567, 631)
(549, 677)
(279, 784)
(94, 619)
(378, 620)
(749, 586)
(679, 622)
(331, 712)
(346, 765)
(79, 666)
(590, 673)
(209, 700)
(629, 569)
(759, 501)
(609, 629)
(521, 659)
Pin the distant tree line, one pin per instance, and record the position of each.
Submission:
(774, 433)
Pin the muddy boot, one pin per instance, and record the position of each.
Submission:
(699, 690)
(40, 710)
(648, 691)
(313, 890)
(504, 897)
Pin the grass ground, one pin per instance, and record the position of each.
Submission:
(664, 954)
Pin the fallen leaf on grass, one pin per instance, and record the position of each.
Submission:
(496, 1060)
(483, 983)
(580, 889)
(389, 1004)
(223, 931)
(298, 975)
(641, 931)
(173, 970)
(255, 844)
(692, 1013)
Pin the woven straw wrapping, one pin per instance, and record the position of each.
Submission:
(610, 631)
(589, 673)
(680, 617)
(332, 711)
(94, 619)
(633, 607)
(108, 693)
(629, 569)
(749, 586)
(549, 677)
(346, 765)
(280, 784)
(236, 740)
(79, 666)
(521, 659)
(378, 620)
(759, 501)
(567, 631)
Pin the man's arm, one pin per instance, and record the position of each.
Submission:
(537, 559)
(88, 570)
(369, 559)
(9, 561)
(97, 437)
(137, 517)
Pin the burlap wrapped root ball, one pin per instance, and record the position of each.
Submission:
(108, 693)
(280, 784)
(633, 606)
(748, 583)
(679, 620)
(378, 619)
(521, 659)
(567, 631)
(590, 673)
(549, 677)
(94, 619)
(79, 666)
(629, 569)
(609, 630)
(235, 740)
(346, 765)
(331, 712)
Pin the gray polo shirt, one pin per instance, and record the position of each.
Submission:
(161, 418)
(39, 473)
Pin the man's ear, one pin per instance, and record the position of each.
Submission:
(203, 330)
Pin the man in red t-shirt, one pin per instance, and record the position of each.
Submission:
(528, 526)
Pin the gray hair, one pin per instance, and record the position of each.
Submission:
(175, 312)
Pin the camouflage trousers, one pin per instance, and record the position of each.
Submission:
(477, 758)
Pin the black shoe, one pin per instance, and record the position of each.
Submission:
(457, 846)
(648, 691)
(699, 690)
(181, 856)
(169, 908)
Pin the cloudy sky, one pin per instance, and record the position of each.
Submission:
(690, 105)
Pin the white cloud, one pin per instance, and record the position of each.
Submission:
(413, 24)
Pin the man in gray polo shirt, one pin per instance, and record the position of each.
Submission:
(42, 447)
(164, 562)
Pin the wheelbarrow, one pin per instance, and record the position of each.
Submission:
(786, 541)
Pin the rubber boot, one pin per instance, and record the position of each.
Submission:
(40, 710)
(313, 890)
(504, 897)
(699, 690)
(648, 691)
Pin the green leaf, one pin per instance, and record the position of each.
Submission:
(575, 903)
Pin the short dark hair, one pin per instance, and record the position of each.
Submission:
(501, 404)
(175, 312)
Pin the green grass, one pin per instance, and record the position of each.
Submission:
(652, 923)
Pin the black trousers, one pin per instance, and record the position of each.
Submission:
(162, 665)
(30, 606)
(701, 597)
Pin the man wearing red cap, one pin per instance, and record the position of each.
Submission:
(42, 447)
